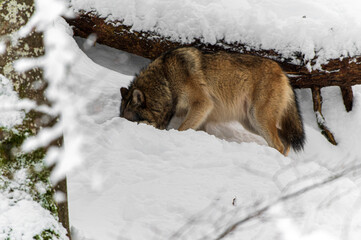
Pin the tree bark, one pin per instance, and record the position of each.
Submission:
(317, 108)
(12, 18)
(63, 209)
(347, 96)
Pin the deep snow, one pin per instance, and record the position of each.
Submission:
(138, 182)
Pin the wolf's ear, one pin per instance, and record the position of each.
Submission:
(138, 97)
(124, 91)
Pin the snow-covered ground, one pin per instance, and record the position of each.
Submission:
(138, 182)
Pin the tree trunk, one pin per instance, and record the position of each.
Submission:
(63, 209)
(13, 15)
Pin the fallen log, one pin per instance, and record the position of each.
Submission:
(343, 72)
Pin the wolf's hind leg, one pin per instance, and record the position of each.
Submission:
(285, 143)
(270, 133)
(266, 126)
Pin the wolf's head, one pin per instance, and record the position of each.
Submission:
(133, 106)
(144, 107)
(148, 99)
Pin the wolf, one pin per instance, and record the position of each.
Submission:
(204, 87)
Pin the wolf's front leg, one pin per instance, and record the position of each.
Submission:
(197, 114)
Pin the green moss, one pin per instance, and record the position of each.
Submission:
(12, 159)
(8, 234)
(47, 234)
(11, 156)
(15, 13)
(37, 184)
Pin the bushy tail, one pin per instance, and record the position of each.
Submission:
(292, 132)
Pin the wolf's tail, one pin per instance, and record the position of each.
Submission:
(292, 131)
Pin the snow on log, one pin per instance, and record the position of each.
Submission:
(337, 72)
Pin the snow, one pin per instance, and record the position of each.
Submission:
(138, 182)
(9, 98)
(21, 217)
(2, 47)
(47, 11)
(323, 28)
(118, 61)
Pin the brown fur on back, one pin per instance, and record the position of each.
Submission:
(216, 87)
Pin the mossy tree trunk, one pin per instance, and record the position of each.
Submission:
(13, 15)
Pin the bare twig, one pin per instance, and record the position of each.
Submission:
(287, 197)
